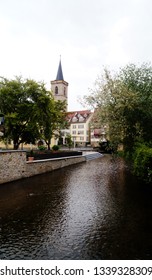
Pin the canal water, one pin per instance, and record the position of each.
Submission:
(92, 210)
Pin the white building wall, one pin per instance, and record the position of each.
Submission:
(80, 132)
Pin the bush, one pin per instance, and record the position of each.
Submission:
(106, 147)
(142, 162)
(55, 148)
(31, 154)
(42, 148)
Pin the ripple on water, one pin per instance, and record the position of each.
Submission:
(93, 210)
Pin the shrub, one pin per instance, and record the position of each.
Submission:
(142, 162)
(42, 148)
(55, 148)
(31, 153)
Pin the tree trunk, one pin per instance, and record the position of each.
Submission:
(16, 145)
(48, 144)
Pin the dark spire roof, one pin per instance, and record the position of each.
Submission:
(59, 73)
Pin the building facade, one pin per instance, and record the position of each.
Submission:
(97, 135)
(79, 127)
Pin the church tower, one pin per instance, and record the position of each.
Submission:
(59, 87)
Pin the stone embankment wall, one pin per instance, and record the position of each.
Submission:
(13, 165)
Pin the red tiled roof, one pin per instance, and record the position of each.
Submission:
(84, 113)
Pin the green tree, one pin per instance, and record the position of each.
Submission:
(16, 105)
(123, 102)
(30, 111)
(138, 80)
(52, 120)
(69, 141)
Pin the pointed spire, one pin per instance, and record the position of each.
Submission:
(60, 73)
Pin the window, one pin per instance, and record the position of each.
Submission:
(63, 133)
(56, 90)
(74, 126)
(80, 131)
(81, 119)
(74, 138)
(74, 119)
(64, 91)
(81, 138)
(81, 126)
(73, 131)
(1, 119)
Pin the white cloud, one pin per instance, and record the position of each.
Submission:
(87, 34)
(116, 49)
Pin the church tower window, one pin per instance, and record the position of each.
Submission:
(64, 91)
(56, 90)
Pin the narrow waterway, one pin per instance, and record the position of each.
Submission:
(93, 210)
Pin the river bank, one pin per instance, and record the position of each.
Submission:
(14, 166)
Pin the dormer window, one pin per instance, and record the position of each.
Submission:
(56, 90)
(74, 119)
(81, 119)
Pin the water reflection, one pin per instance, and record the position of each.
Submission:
(93, 210)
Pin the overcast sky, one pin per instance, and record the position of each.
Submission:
(87, 34)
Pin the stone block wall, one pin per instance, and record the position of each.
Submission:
(43, 166)
(13, 165)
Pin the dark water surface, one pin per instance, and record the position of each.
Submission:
(93, 210)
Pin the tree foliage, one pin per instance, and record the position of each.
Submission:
(30, 111)
(142, 162)
(139, 81)
(123, 103)
(69, 141)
